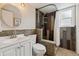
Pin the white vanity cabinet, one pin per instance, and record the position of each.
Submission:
(9, 51)
(23, 48)
(26, 48)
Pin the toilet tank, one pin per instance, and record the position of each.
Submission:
(33, 38)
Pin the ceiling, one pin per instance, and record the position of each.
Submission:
(51, 8)
(38, 5)
(59, 5)
(47, 9)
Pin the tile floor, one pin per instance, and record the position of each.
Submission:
(64, 52)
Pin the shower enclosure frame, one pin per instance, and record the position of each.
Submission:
(38, 20)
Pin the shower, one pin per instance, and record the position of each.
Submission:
(52, 21)
(45, 20)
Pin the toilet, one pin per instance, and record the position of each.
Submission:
(37, 48)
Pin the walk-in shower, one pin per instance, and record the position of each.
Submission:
(45, 20)
(57, 25)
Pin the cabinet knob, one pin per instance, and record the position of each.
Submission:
(22, 46)
(18, 47)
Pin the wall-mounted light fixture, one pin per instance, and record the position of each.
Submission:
(22, 4)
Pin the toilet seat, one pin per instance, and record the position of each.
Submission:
(39, 49)
(38, 46)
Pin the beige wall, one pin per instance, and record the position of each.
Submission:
(26, 13)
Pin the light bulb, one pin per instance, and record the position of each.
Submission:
(22, 4)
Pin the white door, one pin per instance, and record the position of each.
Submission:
(26, 49)
(9, 51)
(77, 28)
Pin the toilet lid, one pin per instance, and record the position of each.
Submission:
(39, 46)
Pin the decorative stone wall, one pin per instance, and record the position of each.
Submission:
(10, 32)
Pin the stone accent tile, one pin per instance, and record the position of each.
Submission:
(10, 32)
(50, 48)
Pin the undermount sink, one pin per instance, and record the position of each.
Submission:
(7, 39)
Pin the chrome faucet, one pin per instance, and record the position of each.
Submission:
(13, 35)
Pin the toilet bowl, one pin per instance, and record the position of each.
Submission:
(39, 49)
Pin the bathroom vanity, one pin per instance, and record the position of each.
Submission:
(20, 46)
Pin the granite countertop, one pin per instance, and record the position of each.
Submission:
(8, 42)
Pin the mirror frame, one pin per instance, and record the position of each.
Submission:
(14, 20)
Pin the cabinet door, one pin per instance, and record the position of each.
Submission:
(18, 51)
(26, 49)
(9, 51)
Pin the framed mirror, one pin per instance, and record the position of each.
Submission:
(10, 17)
(7, 18)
